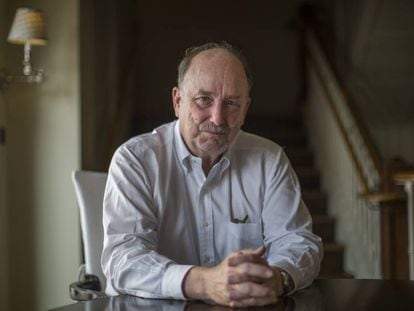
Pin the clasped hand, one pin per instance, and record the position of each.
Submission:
(243, 279)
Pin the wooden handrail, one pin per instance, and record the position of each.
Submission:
(372, 150)
(384, 197)
(365, 134)
(404, 176)
(367, 137)
(308, 22)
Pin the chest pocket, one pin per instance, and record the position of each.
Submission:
(244, 235)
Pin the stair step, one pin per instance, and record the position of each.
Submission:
(282, 137)
(309, 177)
(284, 123)
(315, 201)
(299, 155)
(324, 226)
(333, 259)
(290, 138)
(337, 275)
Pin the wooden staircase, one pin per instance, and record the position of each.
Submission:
(289, 132)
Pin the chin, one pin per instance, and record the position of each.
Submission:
(214, 148)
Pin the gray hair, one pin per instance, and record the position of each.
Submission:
(191, 52)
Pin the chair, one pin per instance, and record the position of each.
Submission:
(89, 189)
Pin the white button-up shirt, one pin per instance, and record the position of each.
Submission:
(162, 215)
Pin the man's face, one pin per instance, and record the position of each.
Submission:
(211, 102)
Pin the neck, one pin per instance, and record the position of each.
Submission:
(208, 163)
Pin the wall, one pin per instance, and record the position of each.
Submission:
(127, 89)
(395, 139)
(4, 246)
(43, 149)
(260, 29)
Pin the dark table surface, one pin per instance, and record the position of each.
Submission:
(329, 294)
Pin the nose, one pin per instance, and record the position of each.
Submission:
(217, 115)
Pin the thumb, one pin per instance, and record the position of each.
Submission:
(253, 251)
(260, 251)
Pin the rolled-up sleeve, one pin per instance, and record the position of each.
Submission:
(130, 260)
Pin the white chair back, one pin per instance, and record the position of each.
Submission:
(89, 188)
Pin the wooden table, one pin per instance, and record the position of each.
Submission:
(328, 294)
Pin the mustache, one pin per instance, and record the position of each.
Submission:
(212, 128)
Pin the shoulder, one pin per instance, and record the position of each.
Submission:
(256, 153)
(258, 156)
(255, 145)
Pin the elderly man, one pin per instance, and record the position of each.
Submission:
(199, 209)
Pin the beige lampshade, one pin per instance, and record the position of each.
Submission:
(28, 27)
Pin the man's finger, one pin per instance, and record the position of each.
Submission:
(250, 269)
(259, 251)
(240, 278)
(239, 259)
(235, 261)
(251, 290)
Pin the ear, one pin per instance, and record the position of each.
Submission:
(176, 99)
(247, 106)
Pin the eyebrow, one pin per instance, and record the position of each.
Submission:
(204, 92)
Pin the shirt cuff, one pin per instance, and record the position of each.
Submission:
(173, 279)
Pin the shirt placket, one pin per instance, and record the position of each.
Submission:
(206, 230)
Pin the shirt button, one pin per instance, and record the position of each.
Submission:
(206, 259)
(205, 225)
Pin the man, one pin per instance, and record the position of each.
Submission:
(199, 209)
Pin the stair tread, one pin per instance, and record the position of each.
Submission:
(298, 151)
(335, 275)
(308, 169)
(313, 193)
(273, 122)
(300, 158)
(333, 247)
(322, 219)
(309, 177)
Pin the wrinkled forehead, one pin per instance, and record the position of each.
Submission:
(216, 68)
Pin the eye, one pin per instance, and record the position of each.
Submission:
(232, 103)
(203, 100)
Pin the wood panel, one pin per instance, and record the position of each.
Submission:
(394, 239)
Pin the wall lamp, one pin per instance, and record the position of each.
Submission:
(28, 29)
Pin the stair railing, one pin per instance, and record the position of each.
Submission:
(349, 167)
